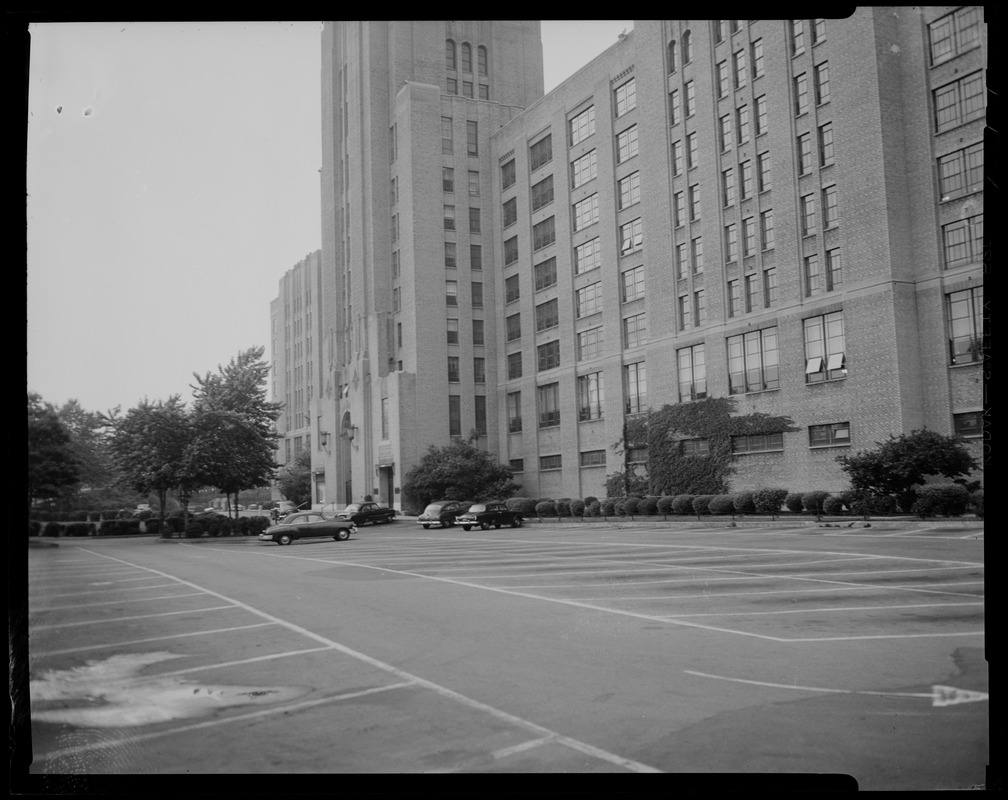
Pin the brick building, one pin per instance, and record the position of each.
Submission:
(789, 213)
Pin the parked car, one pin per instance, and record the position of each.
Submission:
(441, 513)
(362, 513)
(308, 525)
(486, 514)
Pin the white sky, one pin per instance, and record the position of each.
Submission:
(173, 178)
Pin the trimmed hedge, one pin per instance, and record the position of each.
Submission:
(744, 503)
(683, 503)
(545, 508)
(949, 500)
(526, 506)
(722, 504)
(832, 505)
(701, 504)
(769, 500)
(665, 505)
(977, 503)
(577, 508)
(812, 502)
(793, 502)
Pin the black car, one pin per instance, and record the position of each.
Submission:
(441, 513)
(363, 513)
(486, 514)
(308, 525)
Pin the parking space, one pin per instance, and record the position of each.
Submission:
(230, 655)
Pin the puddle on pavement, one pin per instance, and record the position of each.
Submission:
(112, 693)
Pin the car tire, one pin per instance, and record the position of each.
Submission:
(444, 524)
(516, 522)
(342, 535)
(426, 527)
(466, 527)
(284, 538)
(484, 526)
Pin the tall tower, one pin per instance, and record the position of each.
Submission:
(408, 352)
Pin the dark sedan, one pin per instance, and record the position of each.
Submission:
(486, 514)
(308, 525)
(442, 513)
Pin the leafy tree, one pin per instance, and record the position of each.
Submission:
(458, 471)
(52, 462)
(903, 462)
(151, 444)
(294, 480)
(89, 440)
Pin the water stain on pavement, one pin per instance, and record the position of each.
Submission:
(112, 693)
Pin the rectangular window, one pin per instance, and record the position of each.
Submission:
(476, 257)
(633, 284)
(679, 210)
(761, 114)
(626, 144)
(724, 132)
(699, 307)
(822, 83)
(685, 313)
(728, 187)
(692, 150)
(586, 212)
(746, 188)
(590, 390)
(634, 331)
(804, 153)
(734, 298)
(451, 293)
(965, 315)
(584, 169)
(514, 412)
(511, 251)
(548, 402)
(629, 190)
(692, 373)
(593, 458)
(454, 415)
(818, 31)
(514, 365)
(474, 183)
(968, 425)
(587, 256)
(731, 242)
(722, 78)
(543, 234)
(677, 158)
(763, 171)
(479, 369)
(477, 294)
(739, 67)
(588, 300)
(635, 388)
(757, 59)
(696, 248)
(829, 435)
(831, 214)
(472, 136)
(694, 202)
(453, 369)
(808, 215)
(954, 33)
(452, 331)
(690, 98)
(682, 260)
(545, 274)
(826, 144)
(626, 97)
(811, 275)
(447, 179)
(450, 260)
(514, 327)
(542, 193)
(631, 236)
(480, 409)
(753, 364)
(962, 241)
(550, 462)
(582, 126)
(961, 172)
(825, 356)
(801, 94)
(959, 102)
(695, 447)
(742, 117)
(510, 212)
(477, 331)
(541, 153)
(517, 465)
(769, 287)
(752, 292)
(675, 114)
(547, 315)
(834, 271)
(474, 220)
(758, 443)
(748, 236)
(589, 344)
(548, 355)
(449, 218)
(508, 174)
(797, 36)
(447, 135)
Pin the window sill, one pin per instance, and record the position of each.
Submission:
(828, 446)
(948, 198)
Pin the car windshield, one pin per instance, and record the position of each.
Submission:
(433, 508)
(477, 507)
(352, 507)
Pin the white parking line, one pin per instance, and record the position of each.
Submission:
(824, 610)
(106, 591)
(127, 619)
(150, 640)
(40, 610)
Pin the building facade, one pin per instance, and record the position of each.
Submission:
(787, 212)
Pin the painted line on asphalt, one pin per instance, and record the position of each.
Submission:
(239, 662)
(150, 640)
(844, 609)
(497, 755)
(128, 741)
(789, 592)
(105, 591)
(443, 691)
(127, 619)
(42, 610)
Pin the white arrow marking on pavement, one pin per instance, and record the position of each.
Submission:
(950, 696)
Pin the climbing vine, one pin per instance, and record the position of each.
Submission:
(672, 471)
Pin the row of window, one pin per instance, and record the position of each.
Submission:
(452, 51)
(455, 414)
(954, 34)
(479, 369)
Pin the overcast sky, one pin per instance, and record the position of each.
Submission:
(173, 178)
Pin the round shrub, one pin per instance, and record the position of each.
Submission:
(79, 529)
(78, 516)
(589, 500)
(649, 505)
(545, 508)
(793, 502)
(722, 504)
(608, 507)
(948, 500)
(744, 503)
(701, 503)
(665, 504)
(154, 526)
(976, 503)
(882, 504)
(683, 503)
(593, 509)
(52, 529)
(832, 505)
(847, 498)
(769, 500)
(34, 527)
(630, 505)
(813, 501)
(257, 525)
(563, 507)
(619, 507)
(194, 530)
(526, 506)
(577, 508)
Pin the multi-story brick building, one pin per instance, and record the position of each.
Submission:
(786, 212)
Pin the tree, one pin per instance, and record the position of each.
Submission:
(903, 462)
(458, 471)
(294, 480)
(236, 424)
(52, 463)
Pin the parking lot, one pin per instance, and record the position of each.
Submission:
(597, 648)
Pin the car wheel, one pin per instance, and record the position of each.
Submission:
(516, 522)
(466, 527)
(484, 526)
(425, 527)
(342, 535)
(284, 538)
(444, 524)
